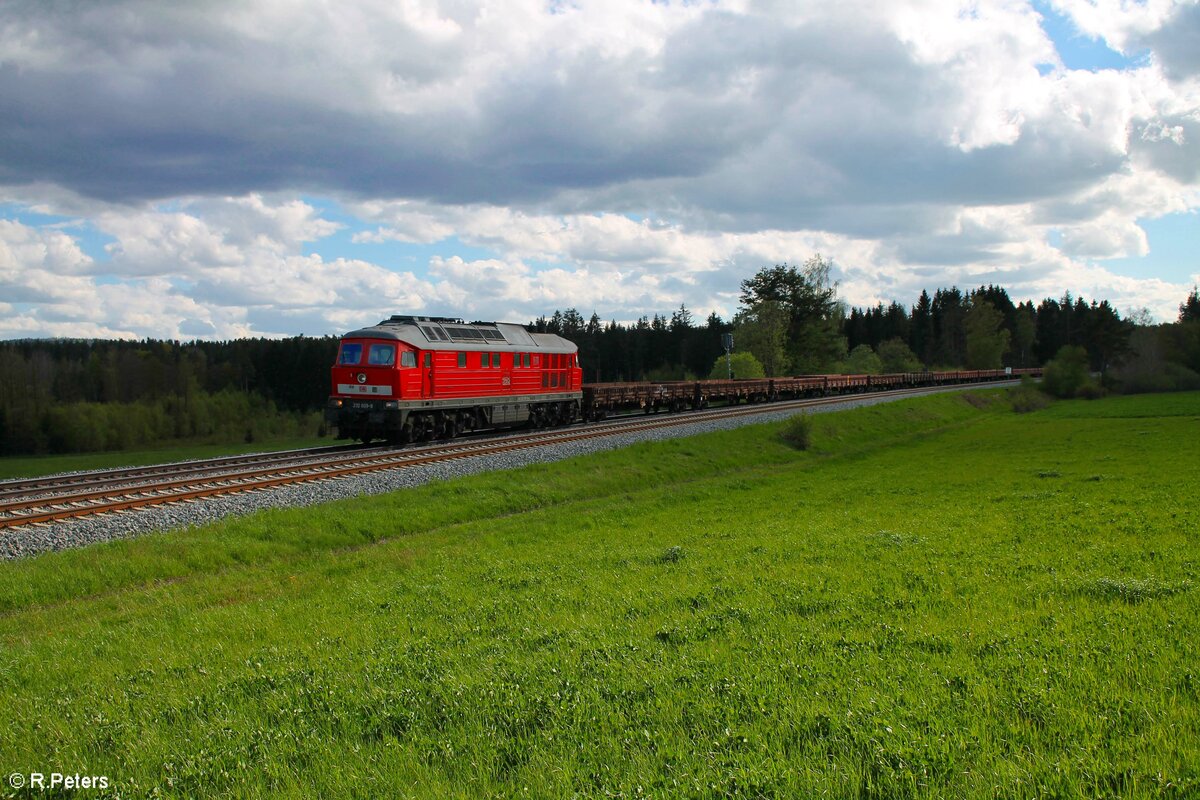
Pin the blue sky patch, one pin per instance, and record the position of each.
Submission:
(1173, 255)
(1079, 51)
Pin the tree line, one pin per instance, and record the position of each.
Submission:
(791, 322)
(87, 395)
(73, 395)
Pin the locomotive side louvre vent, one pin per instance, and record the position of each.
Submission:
(465, 333)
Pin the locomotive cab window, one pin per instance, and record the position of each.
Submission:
(462, 360)
(428, 359)
(382, 355)
(408, 359)
(351, 353)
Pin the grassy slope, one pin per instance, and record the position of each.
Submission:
(937, 600)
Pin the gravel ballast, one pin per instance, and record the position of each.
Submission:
(24, 542)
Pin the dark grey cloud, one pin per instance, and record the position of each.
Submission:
(734, 122)
(1170, 145)
(1177, 43)
(948, 251)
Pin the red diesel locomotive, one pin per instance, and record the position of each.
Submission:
(418, 378)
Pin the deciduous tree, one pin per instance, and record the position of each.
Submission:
(986, 337)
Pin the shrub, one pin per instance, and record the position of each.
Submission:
(1164, 377)
(862, 361)
(744, 364)
(896, 356)
(1027, 397)
(798, 431)
(1067, 373)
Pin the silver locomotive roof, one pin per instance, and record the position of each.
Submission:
(448, 333)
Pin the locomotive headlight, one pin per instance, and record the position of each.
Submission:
(391, 404)
(338, 402)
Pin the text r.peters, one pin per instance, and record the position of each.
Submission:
(57, 780)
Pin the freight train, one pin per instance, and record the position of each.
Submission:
(413, 378)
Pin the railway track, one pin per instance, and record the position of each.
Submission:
(28, 487)
(46, 500)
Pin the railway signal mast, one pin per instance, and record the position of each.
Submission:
(727, 342)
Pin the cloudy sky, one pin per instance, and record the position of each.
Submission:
(217, 169)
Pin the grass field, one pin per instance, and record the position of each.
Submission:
(34, 466)
(940, 598)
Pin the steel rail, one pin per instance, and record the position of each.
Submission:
(58, 507)
(22, 487)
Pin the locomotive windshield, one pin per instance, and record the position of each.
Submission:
(351, 353)
(382, 355)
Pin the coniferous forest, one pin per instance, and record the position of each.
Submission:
(75, 395)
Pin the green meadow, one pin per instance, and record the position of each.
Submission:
(938, 598)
